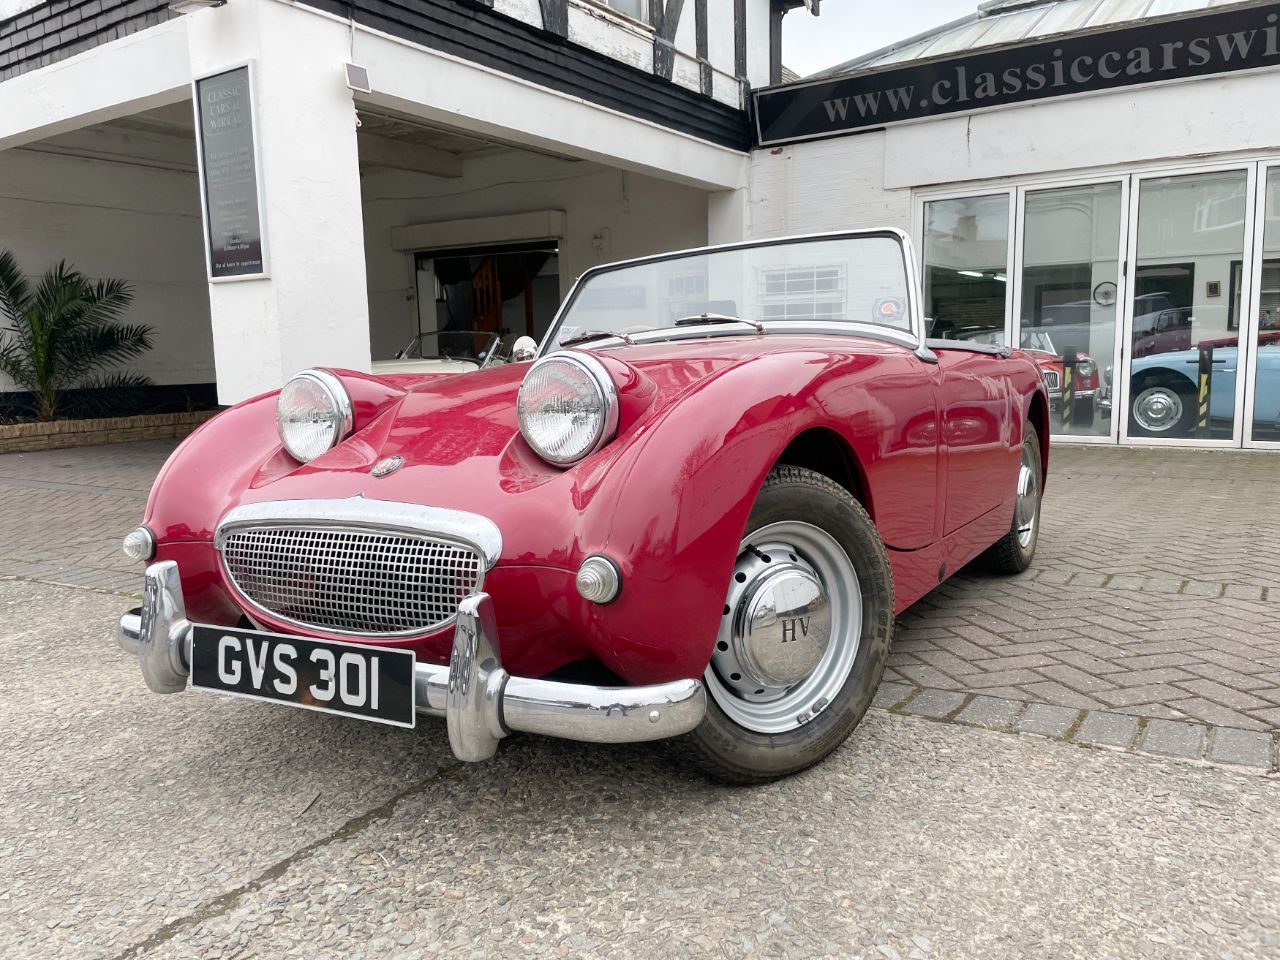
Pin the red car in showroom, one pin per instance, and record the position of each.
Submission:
(694, 515)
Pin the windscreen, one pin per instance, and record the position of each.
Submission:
(849, 279)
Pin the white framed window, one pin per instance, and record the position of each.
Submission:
(808, 292)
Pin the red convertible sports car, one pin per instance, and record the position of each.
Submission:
(694, 515)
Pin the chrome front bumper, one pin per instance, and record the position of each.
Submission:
(480, 701)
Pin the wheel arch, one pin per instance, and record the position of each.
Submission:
(825, 451)
(1038, 416)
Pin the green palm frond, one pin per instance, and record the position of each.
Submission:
(64, 333)
(14, 291)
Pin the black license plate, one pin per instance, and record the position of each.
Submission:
(371, 683)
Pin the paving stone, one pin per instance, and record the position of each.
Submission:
(890, 694)
(1046, 720)
(1129, 696)
(1171, 738)
(1214, 713)
(933, 703)
(990, 712)
(1220, 693)
(1055, 693)
(1242, 748)
(1107, 729)
(1076, 679)
(1198, 588)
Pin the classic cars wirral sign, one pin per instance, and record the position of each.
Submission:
(1154, 52)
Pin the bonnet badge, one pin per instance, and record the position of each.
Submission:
(389, 465)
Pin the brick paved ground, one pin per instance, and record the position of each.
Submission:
(1155, 594)
(63, 512)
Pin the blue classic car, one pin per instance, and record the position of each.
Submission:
(1164, 386)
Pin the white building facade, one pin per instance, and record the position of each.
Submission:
(1095, 179)
(383, 167)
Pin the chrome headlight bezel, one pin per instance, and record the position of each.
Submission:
(590, 372)
(341, 412)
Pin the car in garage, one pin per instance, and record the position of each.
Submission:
(1164, 388)
(693, 516)
(445, 351)
(1086, 379)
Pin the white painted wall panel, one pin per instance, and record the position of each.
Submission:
(11, 8)
(112, 219)
(527, 11)
(824, 185)
(1189, 119)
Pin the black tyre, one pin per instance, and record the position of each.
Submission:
(1014, 552)
(784, 691)
(1162, 407)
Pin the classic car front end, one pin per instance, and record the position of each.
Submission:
(685, 519)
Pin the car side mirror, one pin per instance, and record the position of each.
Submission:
(525, 348)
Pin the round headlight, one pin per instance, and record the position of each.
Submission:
(313, 414)
(1086, 368)
(568, 407)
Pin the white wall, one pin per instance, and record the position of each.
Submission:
(1158, 122)
(609, 215)
(593, 25)
(822, 185)
(119, 220)
(11, 8)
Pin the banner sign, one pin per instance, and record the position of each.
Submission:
(229, 174)
(1152, 52)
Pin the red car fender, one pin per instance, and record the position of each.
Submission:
(674, 504)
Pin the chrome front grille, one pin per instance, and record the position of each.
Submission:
(350, 579)
(1051, 379)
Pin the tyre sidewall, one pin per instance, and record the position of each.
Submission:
(761, 756)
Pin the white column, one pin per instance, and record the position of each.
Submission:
(727, 216)
(312, 309)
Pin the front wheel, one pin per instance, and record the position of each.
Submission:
(1162, 409)
(803, 637)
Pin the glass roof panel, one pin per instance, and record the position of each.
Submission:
(1064, 17)
(961, 38)
(1013, 26)
(1118, 11)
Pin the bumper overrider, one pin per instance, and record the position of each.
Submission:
(480, 701)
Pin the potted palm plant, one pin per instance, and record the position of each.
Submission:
(62, 333)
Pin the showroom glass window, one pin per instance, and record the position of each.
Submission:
(1067, 318)
(1266, 403)
(1184, 345)
(966, 256)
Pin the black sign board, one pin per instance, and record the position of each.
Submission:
(228, 165)
(1154, 52)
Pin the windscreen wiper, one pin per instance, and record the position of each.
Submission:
(700, 319)
(589, 335)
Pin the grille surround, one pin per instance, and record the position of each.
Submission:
(1052, 380)
(352, 580)
(359, 515)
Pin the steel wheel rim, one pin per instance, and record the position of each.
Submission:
(1027, 510)
(810, 696)
(1157, 409)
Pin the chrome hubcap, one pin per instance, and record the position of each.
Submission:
(1027, 511)
(1157, 409)
(790, 631)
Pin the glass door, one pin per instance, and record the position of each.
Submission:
(1261, 319)
(1191, 265)
(1068, 299)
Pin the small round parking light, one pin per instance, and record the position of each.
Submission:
(599, 580)
(139, 544)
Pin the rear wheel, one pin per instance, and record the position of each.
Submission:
(803, 637)
(1014, 552)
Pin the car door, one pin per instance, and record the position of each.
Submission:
(976, 409)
